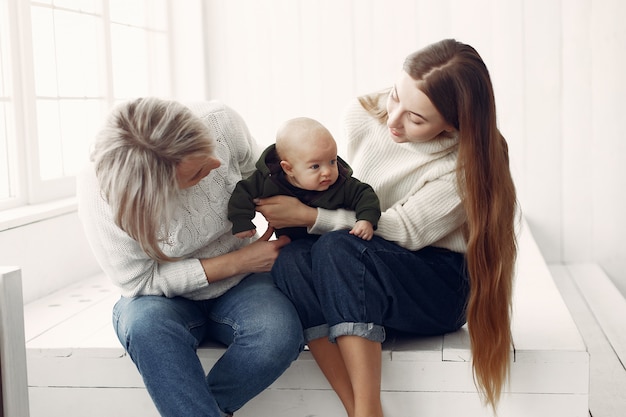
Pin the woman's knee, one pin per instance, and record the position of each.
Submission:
(292, 265)
(265, 316)
(144, 319)
(338, 245)
(293, 257)
(281, 326)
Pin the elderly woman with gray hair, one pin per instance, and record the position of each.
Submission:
(153, 202)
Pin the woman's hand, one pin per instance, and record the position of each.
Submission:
(282, 211)
(258, 256)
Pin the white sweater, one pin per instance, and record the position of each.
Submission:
(415, 182)
(200, 228)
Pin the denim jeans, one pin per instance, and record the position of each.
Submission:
(343, 285)
(254, 319)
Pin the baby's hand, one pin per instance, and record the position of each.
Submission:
(245, 234)
(363, 229)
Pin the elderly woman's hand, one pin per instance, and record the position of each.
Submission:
(282, 211)
(258, 256)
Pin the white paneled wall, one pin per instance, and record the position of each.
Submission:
(557, 68)
(606, 160)
(576, 129)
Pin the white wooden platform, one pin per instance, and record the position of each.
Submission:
(13, 379)
(599, 311)
(76, 366)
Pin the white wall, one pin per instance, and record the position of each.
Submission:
(51, 253)
(52, 249)
(557, 68)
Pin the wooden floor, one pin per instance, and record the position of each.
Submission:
(599, 311)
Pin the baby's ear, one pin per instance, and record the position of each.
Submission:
(286, 166)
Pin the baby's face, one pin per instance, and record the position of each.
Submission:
(314, 166)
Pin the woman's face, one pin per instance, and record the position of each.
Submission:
(193, 168)
(412, 116)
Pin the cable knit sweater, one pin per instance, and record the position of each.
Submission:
(415, 182)
(200, 228)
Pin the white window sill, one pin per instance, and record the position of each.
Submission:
(21, 216)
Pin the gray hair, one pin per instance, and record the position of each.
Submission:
(135, 157)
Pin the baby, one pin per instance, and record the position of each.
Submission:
(303, 163)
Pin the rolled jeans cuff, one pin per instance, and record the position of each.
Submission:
(369, 331)
(315, 332)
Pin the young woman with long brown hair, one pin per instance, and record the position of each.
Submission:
(445, 246)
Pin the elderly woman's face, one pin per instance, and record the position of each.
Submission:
(193, 168)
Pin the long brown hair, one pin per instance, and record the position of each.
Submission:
(456, 80)
(135, 157)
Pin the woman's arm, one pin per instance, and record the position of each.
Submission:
(433, 213)
(131, 270)
(256, 257)
(283, 211)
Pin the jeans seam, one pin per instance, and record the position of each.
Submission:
(226, 321)
(362, 294)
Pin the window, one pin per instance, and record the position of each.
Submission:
(8, 188)
(63, 64)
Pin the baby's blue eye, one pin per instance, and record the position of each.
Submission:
(315, 166)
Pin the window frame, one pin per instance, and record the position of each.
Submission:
(29, 188)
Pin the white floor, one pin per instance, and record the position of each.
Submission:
(599, 315)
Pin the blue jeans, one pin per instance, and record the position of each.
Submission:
(343, 285)
(254, 319)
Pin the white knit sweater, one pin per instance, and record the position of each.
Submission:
(415, 182)
(200, 228)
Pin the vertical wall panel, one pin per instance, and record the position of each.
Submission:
(285, 58)
(251, 85)
(215, 32)
(312, 59)
(576, 121)
(337, 40)
(506, 70)
(542, 169)
(607, 147)
(471, 27)
(383, 37)
(252, 66)
(188, 65)
(434, 20)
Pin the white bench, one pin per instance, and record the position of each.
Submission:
(76, 366)
(13, 385)
(598, 308)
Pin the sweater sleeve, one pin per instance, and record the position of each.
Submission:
(425, 218)
(363, 201)
(415, 183)
(122, 258)
(329, 220)
(200, 228)
(432, 213)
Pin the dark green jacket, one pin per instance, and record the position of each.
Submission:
(269, 180)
